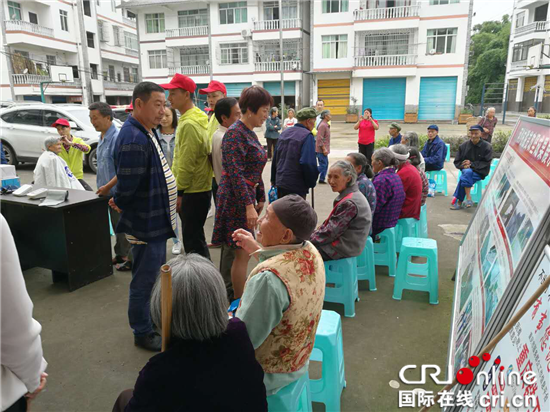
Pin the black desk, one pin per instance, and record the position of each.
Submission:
(72, 239)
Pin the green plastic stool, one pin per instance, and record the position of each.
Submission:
(329, 349)
(385, 251)
(417, 276)
(365, 265)
(405, 228)
(343, 274)
(293, 397)
(423, 223)
(448, 155)
(440, 178)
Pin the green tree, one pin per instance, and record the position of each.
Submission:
(488, 55)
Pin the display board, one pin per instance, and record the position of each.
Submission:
(501, 236)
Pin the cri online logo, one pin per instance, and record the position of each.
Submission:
(465, 376)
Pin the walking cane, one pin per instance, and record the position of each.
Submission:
(166, 303)
(313, 198)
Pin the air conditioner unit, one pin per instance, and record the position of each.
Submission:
(432, 52)
(246, 33)
(533, 56)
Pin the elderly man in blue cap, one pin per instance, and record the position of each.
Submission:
(434, 151)
(474, 160)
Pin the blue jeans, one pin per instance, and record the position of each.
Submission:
(323, 166)
(467, 179)
(145, 268)
(177, 238)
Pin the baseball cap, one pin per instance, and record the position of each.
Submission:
(476, 127)
(434, 127)
(179, 81)
(214, 86)
(61, 122)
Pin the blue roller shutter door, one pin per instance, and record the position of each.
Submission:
(274, 88)
(235, 89)
(437, 98)
(386, 97)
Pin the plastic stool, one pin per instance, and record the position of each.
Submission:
(448, 155)
(343, 274)
(427, 273)
(440, 177)
(405, 228)
(365, 265)
(329, 349)
(423, 223)
(385, 251)
(293, 397)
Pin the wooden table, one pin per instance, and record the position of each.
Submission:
(72, 239)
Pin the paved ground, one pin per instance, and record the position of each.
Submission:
(89, 345)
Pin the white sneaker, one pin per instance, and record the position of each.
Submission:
(176, 249)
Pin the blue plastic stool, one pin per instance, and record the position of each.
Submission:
(329, 349)
(343, 274)
(405, 228)
(448, 155)
(440, 177)
(417, 276)
(423, 223)
(385, 251)
(365, 265)
(293, 397)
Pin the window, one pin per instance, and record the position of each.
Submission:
(102, 31)
(75, 72)
(194, 56)
(271, 10)
(157, 59)
(87, 8)
(112, 73)
(90, 39)
(520, 19)
(94, 71)
(134, 75)
(14, 10)
(126, 71)
(33, 18)
(234, 53)
(131, 41)
(441, 41)
(50, 117)
(441, 2)
(520, 51)
(390, 42)
(52, 60)
(154, 23)
(192, 18)
(119, 79)
(113, 5)
(27, 117)
(335, 6)
(22, 53)
(64, 20)
(233, 13)
(119, 41)
(335, 47)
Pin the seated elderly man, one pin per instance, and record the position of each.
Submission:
(412, 183)
(283, 296)
(474, 160)
(434, 150)
(51, 170)
(344, 233)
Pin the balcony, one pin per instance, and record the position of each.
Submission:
(536, 26)
(129, 22)
(387, 60)
(274, 24)
(386, 13)
(131, 52)
(124, 86)
(36, 79)
(187, 32)
(25, 26)
(519, 65)
(190, 70)
(293, 65)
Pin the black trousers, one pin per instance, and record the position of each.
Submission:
(283, 192)
(194, 210)
(215, 190)
(271, 146)
(19, 406)
(367, 150)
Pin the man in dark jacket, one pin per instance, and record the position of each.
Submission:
(434, 150)
(146, 195)
(474, 160)
(294, 168)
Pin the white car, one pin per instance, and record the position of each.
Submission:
(24, 127)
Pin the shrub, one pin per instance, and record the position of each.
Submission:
(500, 138)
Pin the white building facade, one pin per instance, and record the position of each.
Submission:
(528, 66)
(94, 38)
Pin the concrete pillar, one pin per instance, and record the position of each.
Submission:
(519, 92)
(540, 85)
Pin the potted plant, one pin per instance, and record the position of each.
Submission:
(352, 112)
(411, 116)
(464, 115)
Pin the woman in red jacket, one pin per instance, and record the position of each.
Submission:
(367, 127)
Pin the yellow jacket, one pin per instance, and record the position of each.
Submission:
(73, 157)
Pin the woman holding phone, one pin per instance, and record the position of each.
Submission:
(367, 127)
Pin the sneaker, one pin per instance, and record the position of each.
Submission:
(152, 342)
(468, 204)
(176, 249)
(456, 206)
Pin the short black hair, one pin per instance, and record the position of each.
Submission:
(368, 109)
(103, 108)
(224, 107)
(532, 107)
(144, 90)
(174, 117)
(320, 100)
(254, 97)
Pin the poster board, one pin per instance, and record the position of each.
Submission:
(501, 239)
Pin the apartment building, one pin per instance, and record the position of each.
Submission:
(528, 66)
(234, 42)
(94, 38)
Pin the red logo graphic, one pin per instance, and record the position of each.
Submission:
(465, 376)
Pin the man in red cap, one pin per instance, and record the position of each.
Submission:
(215, 91)
(191, 165)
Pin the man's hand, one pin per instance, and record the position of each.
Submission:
(325, 151)
(259, 207)
(113, 206)
(178, 204)
(103, 191)
(31, 396)
(245, 240)
(486, 130)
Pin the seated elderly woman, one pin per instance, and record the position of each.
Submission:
(51, 170)
(344, 233)
(359, 162)
(414, 159)
(206, 353)
(390, 194)
(412, 183)
(410, 139)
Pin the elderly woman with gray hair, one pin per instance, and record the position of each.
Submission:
(410, 139)
(488, 122)
(344, 233)
(412, 183)
(206, 350)
(51, 170)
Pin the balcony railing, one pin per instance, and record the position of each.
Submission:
(295, 65)
(519, 65)
(37, 78)
(131, 52)
(19, 25)
(190, 70)
(126, 86)
(386, 13)
(388, 60)
(274, 24)
(536, 26)
(187, 32)
(129, 22)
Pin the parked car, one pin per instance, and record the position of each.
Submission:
(24, 127)
(120, 113)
